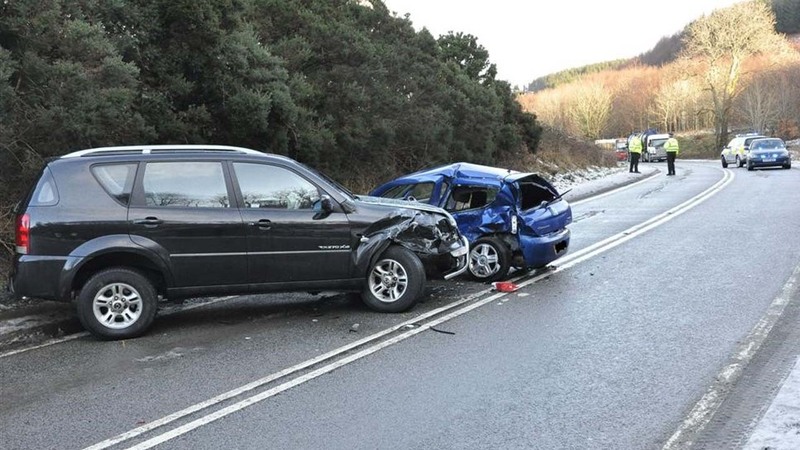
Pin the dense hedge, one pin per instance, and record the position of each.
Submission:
(342, 85)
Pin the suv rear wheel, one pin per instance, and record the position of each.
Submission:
(395, 282)
(724, 162)
(489, 259)
(117, 303)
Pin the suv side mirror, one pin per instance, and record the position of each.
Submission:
(323, 207)
(326, 204)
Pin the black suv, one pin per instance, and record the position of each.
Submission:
(115, 228)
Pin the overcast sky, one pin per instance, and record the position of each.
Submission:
(528, 39)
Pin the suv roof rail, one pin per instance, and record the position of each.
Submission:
(150, 149)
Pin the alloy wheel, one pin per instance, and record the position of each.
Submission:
(117, 305)
(484, 261)
(388, 281)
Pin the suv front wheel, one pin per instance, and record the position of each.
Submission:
(117, 303)
(395, 282)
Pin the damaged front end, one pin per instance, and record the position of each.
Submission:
(428, 231)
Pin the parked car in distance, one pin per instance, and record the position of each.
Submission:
(115, 229)
(737, 149)
(621, 150)
(768, 152)
(512, 219)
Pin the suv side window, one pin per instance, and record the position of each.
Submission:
(45, 193)
(185, 184)
(116, 179)
(266, 186)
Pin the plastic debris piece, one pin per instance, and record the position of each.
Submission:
(442, 331)
(523, 294)
(504, 286)
(354, 327)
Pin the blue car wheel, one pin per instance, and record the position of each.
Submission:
(489, 259)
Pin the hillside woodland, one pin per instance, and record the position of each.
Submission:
(341, 85)
(736, 69)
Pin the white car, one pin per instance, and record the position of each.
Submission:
(737, 149)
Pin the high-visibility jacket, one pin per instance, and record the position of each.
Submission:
(636, 145)
(671, 145)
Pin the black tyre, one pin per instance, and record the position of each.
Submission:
(395, 282)
(724, 162)
(489, 259)
(749, 166)
(739, 162)
(117, 303)
(787, 166)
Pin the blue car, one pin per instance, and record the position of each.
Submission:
(768, 152)
(511, 219)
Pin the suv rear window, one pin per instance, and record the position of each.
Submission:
(45, 193)
(116, 179)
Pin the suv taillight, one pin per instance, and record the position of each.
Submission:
(23, 233)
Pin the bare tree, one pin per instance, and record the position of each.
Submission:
(760, 101)
(548, 105)
(590, 110)
(721, 42)
(674, 103)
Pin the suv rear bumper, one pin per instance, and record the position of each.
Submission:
(39, 276)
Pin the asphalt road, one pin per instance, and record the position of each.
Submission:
(610, 350)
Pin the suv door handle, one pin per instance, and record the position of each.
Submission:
(263, 224)
(148, 222)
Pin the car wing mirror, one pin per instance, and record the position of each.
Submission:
(323, 207)
(326, 204)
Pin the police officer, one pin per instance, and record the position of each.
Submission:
(671, 146)
(635, 149)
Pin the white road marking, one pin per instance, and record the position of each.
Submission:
(707, 406)
(566, 263)
(650, 176)
(67, 338)
(72, 337)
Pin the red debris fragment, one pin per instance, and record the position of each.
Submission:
(504, 286)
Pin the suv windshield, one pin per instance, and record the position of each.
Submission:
(330, 180)
(658, 143)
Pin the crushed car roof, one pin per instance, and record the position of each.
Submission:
(462, 171)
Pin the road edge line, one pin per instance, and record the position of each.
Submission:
(705, 408)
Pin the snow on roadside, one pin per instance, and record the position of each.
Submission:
(566, 180)
(779, 428)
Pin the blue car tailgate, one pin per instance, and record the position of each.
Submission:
(548, 219)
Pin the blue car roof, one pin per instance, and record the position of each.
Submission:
(462, 172)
